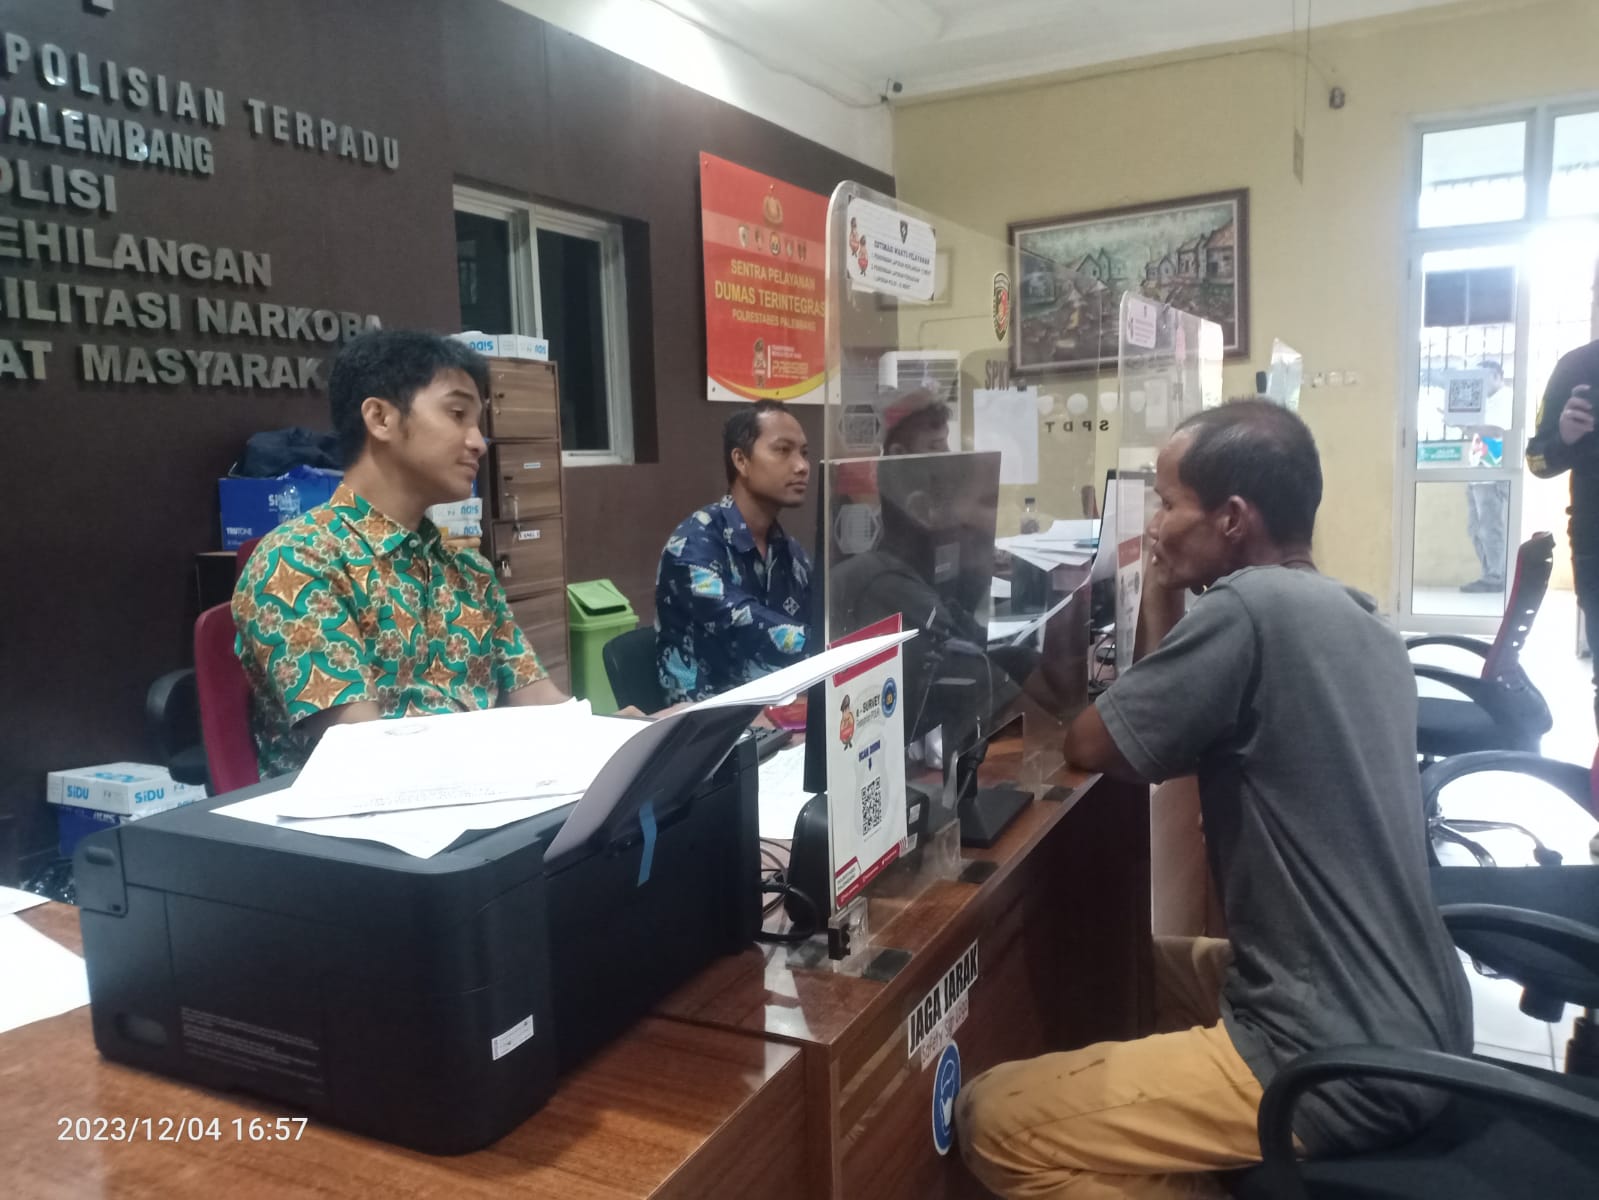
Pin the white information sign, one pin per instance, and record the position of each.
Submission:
(1142, 319)
(932, 1023)
(866, 819)
(889, 252)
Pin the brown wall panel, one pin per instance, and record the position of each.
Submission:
(111, 490)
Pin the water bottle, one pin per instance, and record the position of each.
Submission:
(1030, 522)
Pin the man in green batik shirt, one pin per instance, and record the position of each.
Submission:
(359, 609)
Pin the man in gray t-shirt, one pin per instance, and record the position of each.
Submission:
(1295, 705)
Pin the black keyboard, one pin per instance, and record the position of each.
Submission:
(769, 741)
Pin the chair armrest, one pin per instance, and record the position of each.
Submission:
(1451, 1073)
(170, 700)
(1571, 939)
(1568, 777)
(1479, 648)
(1484, 693)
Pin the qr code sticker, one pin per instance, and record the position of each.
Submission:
(871, 807)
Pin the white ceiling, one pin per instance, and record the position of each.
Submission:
(852, 48)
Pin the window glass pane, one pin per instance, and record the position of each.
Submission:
(1574, 186)
(1465, 398)
(1461, 549)
(571, 294)
(483, 273)
(1473, 176)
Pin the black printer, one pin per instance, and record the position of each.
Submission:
(427, 1002)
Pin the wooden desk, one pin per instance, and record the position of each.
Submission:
(668, 1110)
(1062, 927)
(756, 1079)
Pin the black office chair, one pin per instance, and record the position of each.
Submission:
(1505, 1131)
(1568, 891)
(172, 726)
(1574, 781)
(631, 668)
(1500, 709)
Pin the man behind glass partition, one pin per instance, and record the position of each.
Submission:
(732, 593)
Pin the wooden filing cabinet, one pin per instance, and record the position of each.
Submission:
(520, 482)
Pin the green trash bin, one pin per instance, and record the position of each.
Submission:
(596, 612)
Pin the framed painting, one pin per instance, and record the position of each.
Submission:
(1071, 273)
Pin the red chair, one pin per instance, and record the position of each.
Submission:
(1499, 709)
(224, 702)
(242, 556)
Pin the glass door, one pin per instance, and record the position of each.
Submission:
(1464, 436)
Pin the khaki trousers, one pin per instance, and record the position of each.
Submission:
(1146, 1119)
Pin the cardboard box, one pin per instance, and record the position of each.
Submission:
(462, 519)
(123, 788)
(517, 345)
(486, 344)
(254, 507)
(506, 345)
(75, 824)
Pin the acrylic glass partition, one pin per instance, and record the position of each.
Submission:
(971, 413)
(1170, 369)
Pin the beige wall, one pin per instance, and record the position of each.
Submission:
(1326, 258)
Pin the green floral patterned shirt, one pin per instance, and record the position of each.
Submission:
(344, 605)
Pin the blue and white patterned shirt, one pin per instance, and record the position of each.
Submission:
(723, 614)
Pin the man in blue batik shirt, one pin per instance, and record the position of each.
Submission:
(733, 592)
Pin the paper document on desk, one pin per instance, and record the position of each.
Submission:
(420, 832)
(452, 759)
(562, 749)
(782, 793)
(616, 776)
(43, 979)
(1069, 533)
(13, 900)
(1046, 551)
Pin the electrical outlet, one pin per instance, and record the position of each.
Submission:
(1319, 379)
(1351, 378)
(1335, 379)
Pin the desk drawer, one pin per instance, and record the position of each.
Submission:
(526, 480)
(522, 400)
(529, 556)
(536, 611)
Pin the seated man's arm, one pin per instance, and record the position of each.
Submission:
(723, 608)
(1090, 747)
(300, 640)
(1089, 744)
(1170, 708)
(520, 676)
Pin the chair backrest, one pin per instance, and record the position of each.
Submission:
(243, 556)
(224, 695)
(1534, 563)
(634, 675)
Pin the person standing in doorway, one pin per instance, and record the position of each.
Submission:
(1563, 441)
(1488, 504)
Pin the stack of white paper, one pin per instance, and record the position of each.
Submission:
(782, 792)
(42, 978)
(1058, 546)
(13, 900)
(418, 784)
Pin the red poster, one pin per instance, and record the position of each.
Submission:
(765, 285)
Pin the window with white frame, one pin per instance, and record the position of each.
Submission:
(560, 275)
